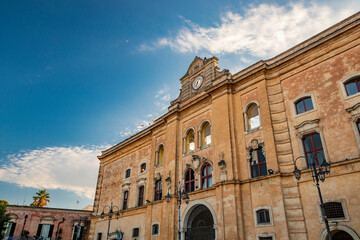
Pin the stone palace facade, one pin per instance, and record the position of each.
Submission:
(230, 140)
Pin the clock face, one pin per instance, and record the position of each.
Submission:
(197, 82)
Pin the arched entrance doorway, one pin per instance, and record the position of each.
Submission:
(200, 225)
(341, 235)
(340, 232)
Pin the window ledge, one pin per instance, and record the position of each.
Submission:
(304, 113)
(352, 96)
(205, 146)
(142, 173)
(253, 130)
(188, 153)
(159, 165)
(264, 224)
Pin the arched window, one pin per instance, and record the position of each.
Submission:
(125, 200)
(303, 105)
(190, 141)
(252, 117)
(313, 148)
(352, 86)
(358, 125)
(160, 155)
(205, 134)
(143, 168)
(258, 163)
(141, 196)
(189, 180)
(206, 176)
(158, 190)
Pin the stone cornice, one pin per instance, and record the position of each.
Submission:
(46, 209)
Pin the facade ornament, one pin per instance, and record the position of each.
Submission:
(254, 145)
(221, 156)
(141, 181)
(195, 161)
(168, 180)
(222, 165)
(157, 177)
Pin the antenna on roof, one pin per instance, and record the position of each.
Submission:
(77, 204)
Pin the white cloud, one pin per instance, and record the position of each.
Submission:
(68, 168)
(262, 31)
(161, 103)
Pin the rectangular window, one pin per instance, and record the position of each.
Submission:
(353, 86)
(334, 210)
(258, 163)
(158, 190)
(303, 105)
(155, 229)
(135, 232)
(78, 232)
(9, 229)
(265, 238)
(263, 216)
(126, 196)
(127, 173)
(99, 236)
(141, 196)
(45, 231)
(313, 149)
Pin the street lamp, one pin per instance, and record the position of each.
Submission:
(111, 212)
(180, 195)
(317, 174)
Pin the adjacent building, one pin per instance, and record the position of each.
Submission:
(47, 223)
(230, 141)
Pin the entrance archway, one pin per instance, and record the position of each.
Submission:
(341, 235)
(340, 232)
(200, 224)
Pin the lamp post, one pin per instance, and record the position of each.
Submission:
(22, 231)
(111, 212)
(180, 195)
(317, 173)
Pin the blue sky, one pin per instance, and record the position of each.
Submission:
(79, 76)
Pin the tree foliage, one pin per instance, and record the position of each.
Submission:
(4, 217)
(4, 202)
(41, 199)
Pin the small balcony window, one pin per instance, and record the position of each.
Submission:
(143, 168)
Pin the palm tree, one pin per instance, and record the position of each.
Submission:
(41, 199)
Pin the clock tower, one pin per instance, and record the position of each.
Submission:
(200, 76)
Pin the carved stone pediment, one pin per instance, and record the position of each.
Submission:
(157, 177)
(307, 125)
(126, 186)
(141, 181)
(254, 144)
